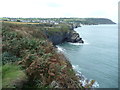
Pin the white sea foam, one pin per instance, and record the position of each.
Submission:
(85, 43)
(76, 67)
(60, 48)
(95, 85)
(83, 79)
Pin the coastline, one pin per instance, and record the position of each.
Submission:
(83, 79)
(36, 47)
(37, 57)
(94, 57)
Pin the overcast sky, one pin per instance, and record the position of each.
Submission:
(60, 8)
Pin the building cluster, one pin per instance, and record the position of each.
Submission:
(43, 20)
(35, 20)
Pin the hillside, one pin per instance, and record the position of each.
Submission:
(75, 21)
(36, 63)
(100, 20)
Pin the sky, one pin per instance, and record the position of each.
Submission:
(60, 8)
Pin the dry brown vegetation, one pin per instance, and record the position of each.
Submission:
(30, 49)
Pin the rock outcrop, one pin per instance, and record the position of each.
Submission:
(60, 37)
(74, 38)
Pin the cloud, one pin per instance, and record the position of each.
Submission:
(59, 8)
(54, 5)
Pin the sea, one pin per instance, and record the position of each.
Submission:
(97, 58)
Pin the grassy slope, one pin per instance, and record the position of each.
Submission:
(28, 47)
(12, 75)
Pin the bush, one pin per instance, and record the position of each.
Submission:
(18, 21)
(7, 57)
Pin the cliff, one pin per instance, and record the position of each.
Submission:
(63, 33)
(28, 53)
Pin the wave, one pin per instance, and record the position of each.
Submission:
(79, 43)
(85, 43)
(83, 79)
(60, 49)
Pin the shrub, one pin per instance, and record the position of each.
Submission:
(7, 57)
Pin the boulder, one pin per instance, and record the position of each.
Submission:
(54, 84)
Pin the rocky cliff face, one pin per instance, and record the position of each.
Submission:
(74, 37)
(60, 37)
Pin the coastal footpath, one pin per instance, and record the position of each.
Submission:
(30, 59)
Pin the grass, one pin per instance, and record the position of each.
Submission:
(11, 74)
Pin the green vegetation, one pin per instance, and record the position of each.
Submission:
(85, 21)
(12, 75)
(31, 61)
(27, 46)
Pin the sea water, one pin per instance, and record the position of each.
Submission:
(97, 58)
